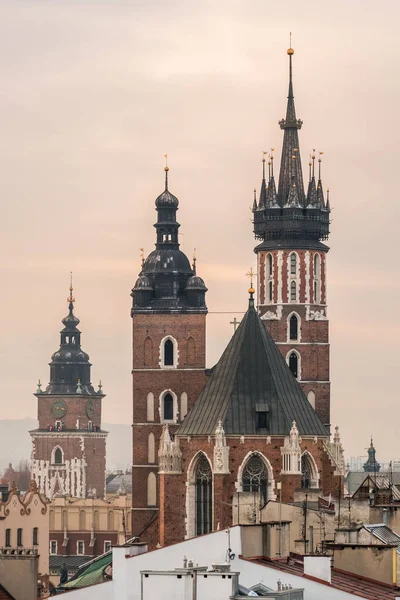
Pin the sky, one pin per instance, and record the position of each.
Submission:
(93, 94)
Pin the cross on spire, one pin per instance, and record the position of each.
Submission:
(235, 324)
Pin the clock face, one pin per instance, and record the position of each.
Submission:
(90, 408)
(59, 408)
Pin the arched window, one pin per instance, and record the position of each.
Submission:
(311, 398)
(151, 490)
(110, 520)
(82, 520)
(168, 353)
(293, 291)
(269, 265)
(293, 264)
(96, 520)
(293, 363)
(317, 276)
(58, 457)
(305, 472)
(309, 472)
(151, 448)
(293, 328)
(317, 266)
(270, 289)
(255, 476)
(184, 405)
(8, 537)
(168, 407)
(203, 496)
(150, 406)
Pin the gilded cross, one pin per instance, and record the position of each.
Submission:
(251, 274)
(235, 324)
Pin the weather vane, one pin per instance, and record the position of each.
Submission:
(70, 297)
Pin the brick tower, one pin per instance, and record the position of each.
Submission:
(291, 263)
(69, 446)
(168, 368)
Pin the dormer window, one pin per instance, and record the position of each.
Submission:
(262, 417)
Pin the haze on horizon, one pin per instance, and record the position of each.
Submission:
(93, 93)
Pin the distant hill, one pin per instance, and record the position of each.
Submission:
(16, 443)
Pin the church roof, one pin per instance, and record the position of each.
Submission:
(251, 376)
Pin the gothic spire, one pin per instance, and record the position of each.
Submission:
(290, 169)
(263, 191)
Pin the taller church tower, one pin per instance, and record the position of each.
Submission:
(169, 357)
(291, 263)
(69, 445)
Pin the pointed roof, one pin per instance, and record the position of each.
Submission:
(290, 160)
(251, 376)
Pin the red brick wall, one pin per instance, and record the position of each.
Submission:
(76, 410)
(189, 331)
(172, 488)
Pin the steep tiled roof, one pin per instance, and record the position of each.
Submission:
(251, 373)
(345, 582)
(384, 534)
(90, 574)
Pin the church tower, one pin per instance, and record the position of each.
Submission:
(69, 446)
(291, 225)
(168, 367)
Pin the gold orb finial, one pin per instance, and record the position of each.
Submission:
(290, 51)
(251, 290)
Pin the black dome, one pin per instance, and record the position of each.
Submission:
(196, 283)
(167, 260)
(166, 199)
(143, 283)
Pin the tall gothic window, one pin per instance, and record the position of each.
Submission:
(269, 265)
(270, 291)
(293, 328)
(294, 364)
(293, 291)
(203, 497)
(255, 476)
(293, 264)
(58, 456)
(168, 407)
(169, 353)
(305, 472)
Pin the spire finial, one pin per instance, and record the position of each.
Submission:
(319, 165)
(142, 255)
(309, 170)
(263, 162)
(166, 169)
(70, 298)
(290, 52)
(271, 156)
(194, 261)
(313, 162)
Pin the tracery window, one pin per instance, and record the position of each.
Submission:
(203, 497)
(293, 291)
(58, 457)
(269, 265)
(255, 476)
(306, 473)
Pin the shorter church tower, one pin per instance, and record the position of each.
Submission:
(69, 446)
(169, 359)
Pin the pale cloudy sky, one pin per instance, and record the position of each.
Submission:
(93, 93)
